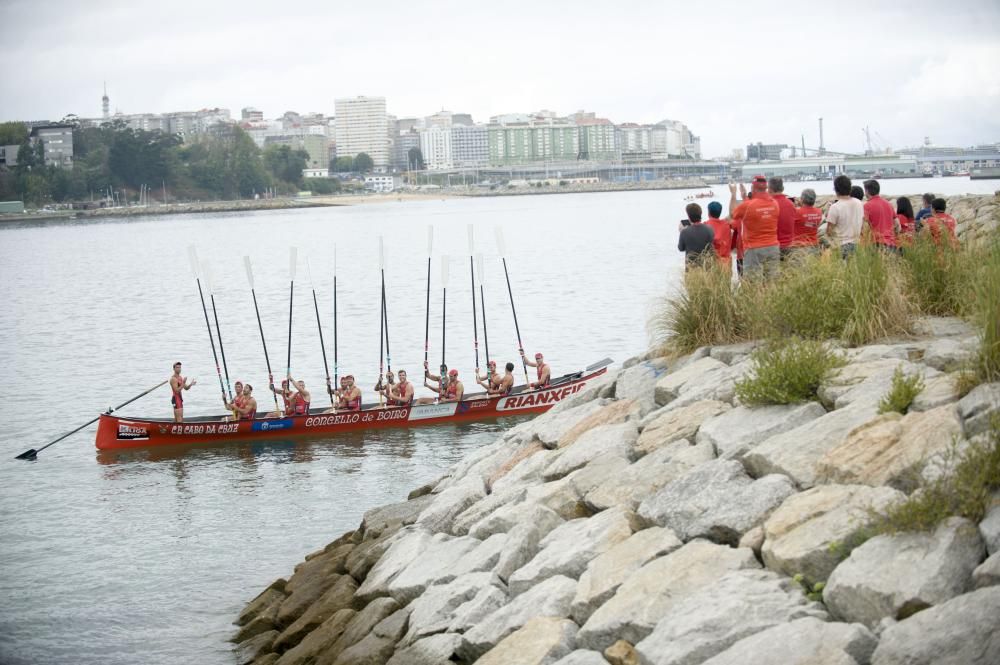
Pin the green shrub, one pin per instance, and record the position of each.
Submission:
(706, 311)
(807, 300)
(901, 394)
(986, 313)
(787, 373)
(878, 304)
(935, 277)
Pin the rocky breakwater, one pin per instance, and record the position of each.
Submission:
(654, 519)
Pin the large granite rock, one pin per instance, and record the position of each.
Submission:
(311, 580)
(866, 382)
(716, 500)
(273, 593)
(523, 467)
(443, 558)
(582, 657)
(606, 572)
(796, 452)
(571, 546)
(962, 631)
(551, 598)
(434, 611)
(560, 496)
(733, 353)
(989, 527)
(638, 383)
(377, 647)
(498, 497)
(615, 413)
(734, 433)
(523, 541)
(988, 572)
(643, 478)
(483, 557)
(255, 647)
(895, 576)
(950, 353)
(434, 650)
(714, 618)
(361, 559)
(648, 593)
(409, 543)
(597, 472)
(393, 516)
(552, 426)
(449, 504)
(318, 640)
(938, 391)
(506, 517)
(978, 407)
(601, 440)
(891, 449)
(336, 598)
(809, 530)
(676, 424)
(541, 641)
(805, 641)
(693, 377)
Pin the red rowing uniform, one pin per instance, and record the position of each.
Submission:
(177, 396)
(540, 367)
(353, 404)
(300, 407)
(402, 385)
(289, 403)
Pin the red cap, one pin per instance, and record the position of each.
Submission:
(759, 183)
(538, 356)
(453, 372)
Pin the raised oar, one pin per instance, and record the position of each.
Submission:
(291, 298)
(520, 347)
(427, 320)
(482, 303)
(32, 453)
(381, 322)
(385, 318)
(267, 359)
(472, 277)
(193, 255)
(336, 377)
(207, 271)
(322, 346)
(444, 303)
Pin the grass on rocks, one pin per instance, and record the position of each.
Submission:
(985, 313)
(902, 392)
(787, 373)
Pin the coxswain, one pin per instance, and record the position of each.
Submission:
(301, 399)
(449, 388)
(544, 372)
(245, 405)
(400, 394)
(178, 384)
(286, 396)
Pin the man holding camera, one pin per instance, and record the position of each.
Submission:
(695, 238)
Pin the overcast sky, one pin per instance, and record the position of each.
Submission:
(734, 72)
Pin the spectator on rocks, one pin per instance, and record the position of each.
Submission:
(844, 218)
(756, 218)
(941, 224)
(695, 238)
(724, 235)
(926, 211)
(880, 217)
(786, 214)
(807, 221)
(858, 193)
(906, 221)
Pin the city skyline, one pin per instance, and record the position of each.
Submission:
(733, 74)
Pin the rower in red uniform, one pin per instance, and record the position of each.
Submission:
(544, 373)
(492, 375)
(453, 390)
(178, 384)
(349, 395)
(502, 385)
(440, 379)
(245, 405)
(301, 399)
(286, 396)
(400, 394)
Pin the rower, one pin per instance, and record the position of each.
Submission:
(350, 395)
(544, 372)
(236, 403)
(491, 374)
(245, 406)
(384, 385)
(450, 389)
(441, 387)
(286, 396)
(506, 383)
(400, 394)
(178, 384)
(302, 398)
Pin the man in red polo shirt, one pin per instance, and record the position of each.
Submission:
(941, 224)
(786, 214)
(757, 217)
(807, 221)
(880, 216)
(724, 233)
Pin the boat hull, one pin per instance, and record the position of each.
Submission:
(114, 432)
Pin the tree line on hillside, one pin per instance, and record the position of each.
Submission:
(223, 164)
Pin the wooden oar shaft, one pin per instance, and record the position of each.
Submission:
(336, 368)
(475, 331)
(322, 346)
(267, 358)
(211, 338)
(444, 320)
(486, 337)
(222, 350)
(385, 317)
(427, 320)
(291, 298)
(517, 328)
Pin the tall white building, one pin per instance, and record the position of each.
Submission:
(362, 126)
(470, 145)
(435, 146)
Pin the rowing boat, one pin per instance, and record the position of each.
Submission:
(114, 432)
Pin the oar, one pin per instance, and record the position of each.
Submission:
(427, 320)
(336, 376)
(291, 298)
(520, 347)
(444, 303)
(472, 277)
(32, 454)
(267, 358)
(381, 322)
(482, 304)
(193, 255)
(322, 346)
(207, 271)
(385, 318)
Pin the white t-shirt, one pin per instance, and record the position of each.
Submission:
(844, 220)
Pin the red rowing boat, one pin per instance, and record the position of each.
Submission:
(115, 432)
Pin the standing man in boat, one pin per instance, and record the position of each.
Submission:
(400, 394)
(244, 406)
(544, 372)
(178, 384)
(302, 398)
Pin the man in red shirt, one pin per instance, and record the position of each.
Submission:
(881, 217)
(724, 234)
(807, 221)
(757, 217)
(941, 223)
(786, 214)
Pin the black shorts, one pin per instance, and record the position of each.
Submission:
(177, 403)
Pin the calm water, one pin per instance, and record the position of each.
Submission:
(148, 556)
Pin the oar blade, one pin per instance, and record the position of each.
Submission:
(472, 244)
(246, 264)
(293, 262)
(193, 257)
(430, 240)
(501, 245)
(28, 455)
(381, 253)
(479, 267)
(444, 270)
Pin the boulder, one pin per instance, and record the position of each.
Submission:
(904, 351)
(550, 427)
(319, 640)
(571, 546)
(676, 424)
(263, 600)
(359, 627)
(988, 572)
(733, 353)
(371, 650)
(551, 598)
(938, 391)
(541, 641)
(582, 657)
(408, 545)
(507, 517)
(336, 598)
(393, 516)
(263, 621)
(950, 353)
(961, 631)
(878, 381)
(483, 557)
(695, 377)
(753, 539)
(805, 641)
(361, 559)
(795, 452)
(714, 618)
(433, 650)
(486, 601)
(601, 440)
(446, 506)
(615, 413)
(597, 472)
(606, 572)
(808, 532)
(523, 541)
(499, 497)
(716, 500)
(434, 611)
(989, 528)
(638, 384)
(441, 560)
(942, 326)
(891, 449)
(560, 496)
(648, 593)
(978, 407)
(621, 653)
(735, 432)
(523, 468)
(249, 650)
(896, 576)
